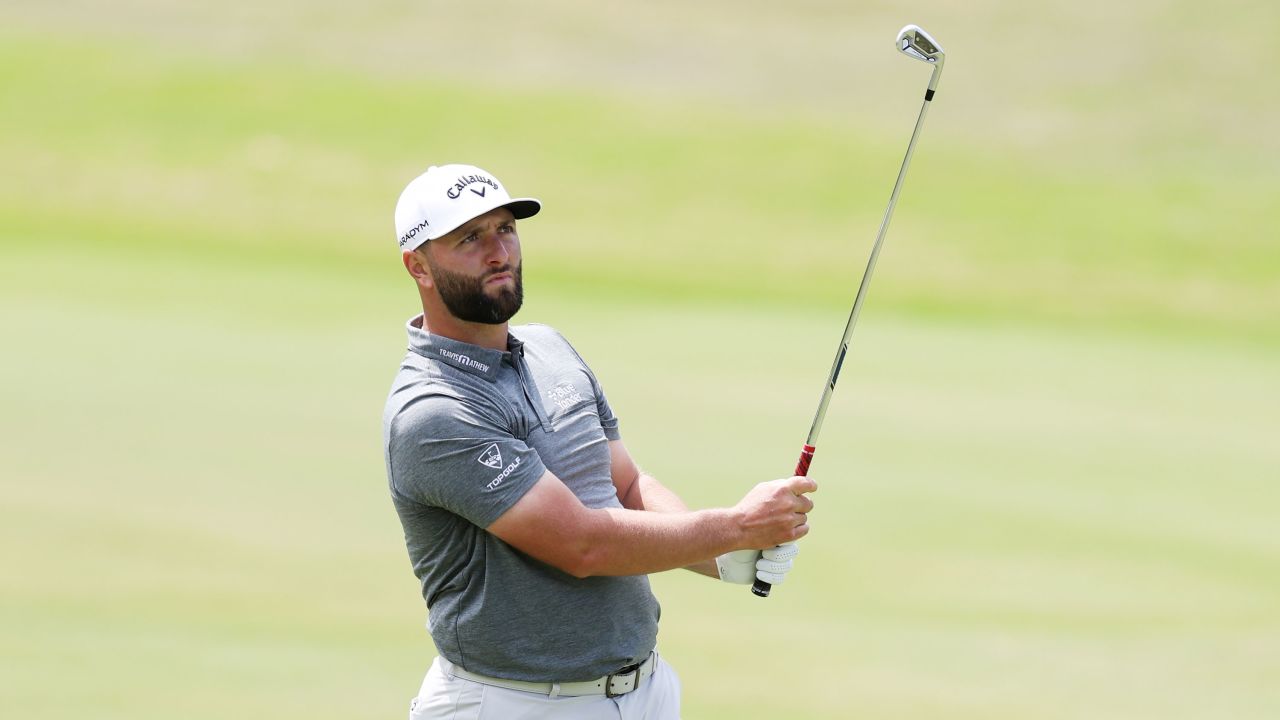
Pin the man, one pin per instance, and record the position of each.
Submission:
(529, 526)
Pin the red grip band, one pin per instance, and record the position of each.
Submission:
(806, 457)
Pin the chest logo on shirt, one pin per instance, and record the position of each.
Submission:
(564, 395)
(491, 457)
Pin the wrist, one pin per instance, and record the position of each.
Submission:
(730, 530)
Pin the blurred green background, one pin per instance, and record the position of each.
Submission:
(1049, 478)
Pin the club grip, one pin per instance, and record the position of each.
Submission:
(760, 587)
(806, 457)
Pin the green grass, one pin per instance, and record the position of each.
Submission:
(1011, 522)
(188, 152)
(1047, 481)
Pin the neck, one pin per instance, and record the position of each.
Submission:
(493, 337)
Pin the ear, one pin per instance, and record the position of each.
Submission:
(418, 267)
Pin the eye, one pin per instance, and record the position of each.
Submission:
(468, 238)
(506, 228)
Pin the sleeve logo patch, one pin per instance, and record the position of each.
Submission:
(495, 483)
(491, 457)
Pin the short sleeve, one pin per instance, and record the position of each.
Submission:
(450, 454)
(608, 421)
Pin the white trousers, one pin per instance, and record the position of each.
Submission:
(445, 696)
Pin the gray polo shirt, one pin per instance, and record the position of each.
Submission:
(468, 431)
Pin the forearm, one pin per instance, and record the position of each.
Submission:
(551, 524)
(631, 542)
(646, 493)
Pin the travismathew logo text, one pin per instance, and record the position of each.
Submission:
(466, 180)
(464, 360)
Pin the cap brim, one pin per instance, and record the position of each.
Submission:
(522, 208)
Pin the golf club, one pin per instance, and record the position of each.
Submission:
(914, 42)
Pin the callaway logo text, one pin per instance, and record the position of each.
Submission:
(466, 180)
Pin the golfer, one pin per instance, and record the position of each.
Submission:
(529, 526)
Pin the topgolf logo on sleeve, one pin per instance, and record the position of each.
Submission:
(495, 483)
(491, 457)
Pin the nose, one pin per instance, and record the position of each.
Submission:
(498, 253)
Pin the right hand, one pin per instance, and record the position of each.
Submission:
(776, 512)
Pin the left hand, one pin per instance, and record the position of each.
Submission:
(744, 567)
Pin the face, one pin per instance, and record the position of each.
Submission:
(476, 269)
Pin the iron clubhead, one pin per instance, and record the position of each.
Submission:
(915, 42)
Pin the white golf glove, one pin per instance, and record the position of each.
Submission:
(743, 567)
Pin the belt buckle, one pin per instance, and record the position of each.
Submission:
(608, 680)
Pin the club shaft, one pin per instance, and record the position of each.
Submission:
(760, 587)
(829, 388)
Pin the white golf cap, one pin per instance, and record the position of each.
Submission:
(446, 196)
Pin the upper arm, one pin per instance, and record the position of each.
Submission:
(637, 490)
(460, 457)
(623, 470)
(548, 523)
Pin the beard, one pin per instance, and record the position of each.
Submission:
(466, 299)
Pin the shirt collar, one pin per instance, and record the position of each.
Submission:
(464, 356)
